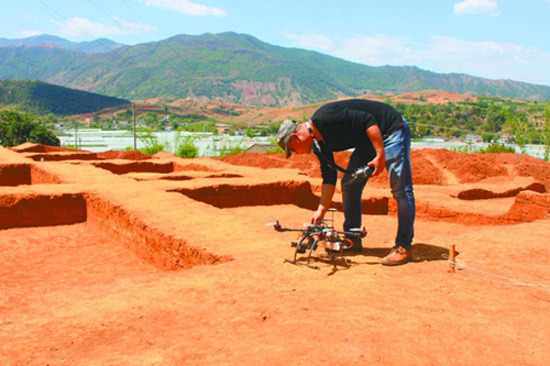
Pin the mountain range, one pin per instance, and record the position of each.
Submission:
(228, 67)
(44, 40)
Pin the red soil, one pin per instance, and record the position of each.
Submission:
(438, 96)
(30, 147)
(129, 155)
(169, 262)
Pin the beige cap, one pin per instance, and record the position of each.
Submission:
(288, 127)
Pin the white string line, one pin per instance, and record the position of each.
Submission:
(506, 280)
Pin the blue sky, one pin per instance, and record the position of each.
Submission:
(496, 39)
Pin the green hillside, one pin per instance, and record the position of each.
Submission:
(98, 45)
(38, 96)
(236, 68)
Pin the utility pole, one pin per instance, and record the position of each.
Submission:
(75, 133)
(134, 118)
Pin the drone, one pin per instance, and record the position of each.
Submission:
(333, 241)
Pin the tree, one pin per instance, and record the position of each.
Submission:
(3, 132)
(187, 149)
(497, 148)
(17, 128)
(148, 138)
(487, 137)
(41, 135)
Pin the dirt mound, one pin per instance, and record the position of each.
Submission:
(467, 168)
(529, 206)
(128, 155)
(31, 147)
(264, 161)
(540, 172)
(424, 171)
(430, 166)
(163, 155)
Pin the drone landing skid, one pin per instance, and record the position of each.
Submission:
(336, 258)
(296, 263)
(335, 243)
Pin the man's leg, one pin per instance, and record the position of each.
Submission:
(352, 192)
(398, 164)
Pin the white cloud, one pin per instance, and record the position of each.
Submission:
(77, 26)
(311, 40)
(31, 32)
(378, 49)
(186, 7)
(494, 60)
(128, 27)
(477, 7)
(489, 59)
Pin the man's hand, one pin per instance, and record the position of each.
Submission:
(318, 216)
(379, 162)
(327, 192)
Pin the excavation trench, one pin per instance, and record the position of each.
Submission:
(152, 244)
(25, 174)
(38, 209)
(272, 193)
(62, 156)
(480, 193)
(163, 250)
(147, 167)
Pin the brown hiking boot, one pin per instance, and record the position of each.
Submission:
(397, 256)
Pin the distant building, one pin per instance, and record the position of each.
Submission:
(473, 138)
(222, 128)
(506, 138)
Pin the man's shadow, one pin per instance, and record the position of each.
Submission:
(421, 252)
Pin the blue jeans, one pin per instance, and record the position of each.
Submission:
(397, 148)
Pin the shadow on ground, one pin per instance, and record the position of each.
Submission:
(422, 252)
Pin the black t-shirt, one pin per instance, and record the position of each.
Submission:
(343, 125)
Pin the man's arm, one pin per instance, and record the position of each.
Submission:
(379, 162)
(326, 199)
